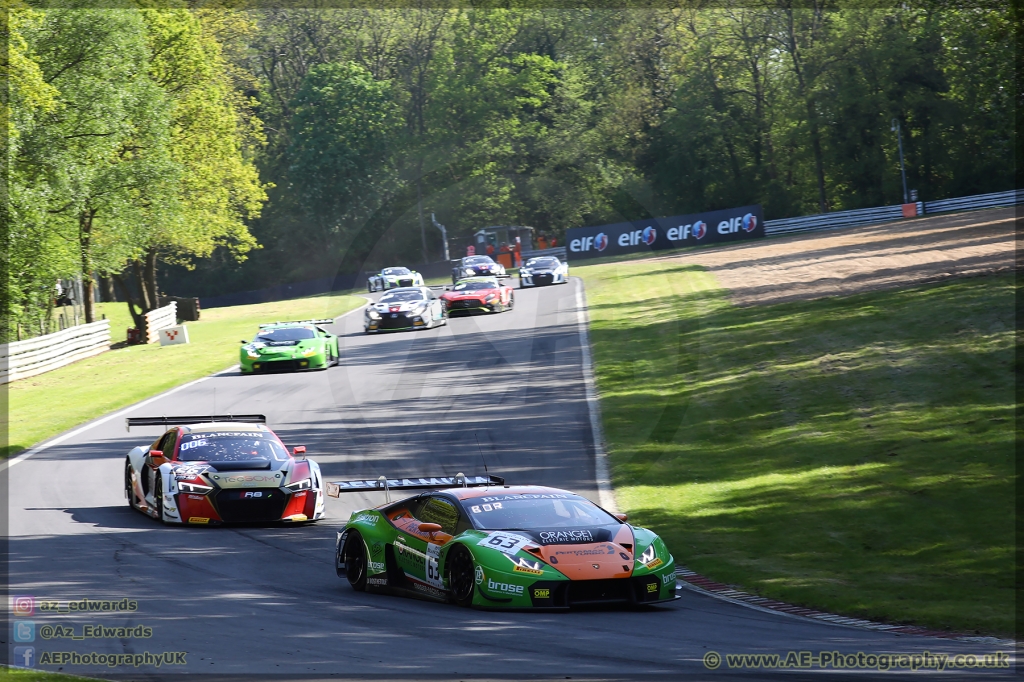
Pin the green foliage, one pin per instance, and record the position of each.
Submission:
(853, 454)
(562, 118)
(129, 140)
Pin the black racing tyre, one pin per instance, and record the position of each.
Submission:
(129, 489)
(355, 561)
(369, 287)
(460, 571)
(158, 495)
(511, 302)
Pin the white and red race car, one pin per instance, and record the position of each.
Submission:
(221, 469)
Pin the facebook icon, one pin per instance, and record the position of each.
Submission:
(25, 656)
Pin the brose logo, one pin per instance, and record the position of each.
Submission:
(504, 587)
(376, 566)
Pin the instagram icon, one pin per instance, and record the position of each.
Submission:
(23, 605)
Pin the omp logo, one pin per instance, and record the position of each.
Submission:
(250, 493)
(652, 587)
(650, 234)
(504, 587)
(539, 593)
(376, 566)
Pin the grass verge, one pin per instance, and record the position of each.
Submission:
(43, 406)
(850, 454)
(30, 675)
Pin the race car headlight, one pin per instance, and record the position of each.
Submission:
(309, 351)
(648, 556)
(493, 298)
(304, 484)
(469, 272)
(524, 273)
(418, 308)
(372, 314)
(252, 353)
(194, 488)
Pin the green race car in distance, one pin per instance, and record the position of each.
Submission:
(489, 545)
(289, 346)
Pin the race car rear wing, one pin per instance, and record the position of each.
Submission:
(193, 419)
(274, 324)
(335, 488)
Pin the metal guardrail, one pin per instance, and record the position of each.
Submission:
(882, 214)
(23, 359)
(1013, 197)
(558, 252)
(160, 318)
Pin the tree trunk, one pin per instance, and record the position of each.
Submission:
(137, 316)
(152, 291)
(107, 289)
(84, 241)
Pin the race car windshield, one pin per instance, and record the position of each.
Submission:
(238, 447)
(531, 512)
(289, 334)
(399, 296)
(473, 286)
(396, 271)
(478, 260)
(543, 263)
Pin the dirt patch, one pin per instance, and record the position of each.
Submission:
(848, 261)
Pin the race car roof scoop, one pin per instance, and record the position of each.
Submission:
(236, 465)
(335, 488)
(193, 419)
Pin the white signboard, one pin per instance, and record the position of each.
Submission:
(174, 335)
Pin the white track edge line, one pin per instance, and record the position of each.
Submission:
(605, 495)
(863, 625)
(57, 440)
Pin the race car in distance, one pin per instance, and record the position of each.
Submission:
(543, 270)
(479, 294)
(477, 542)
(221, 469)
(296, 345)
(391, 278)
(406, 308)
(474, 266)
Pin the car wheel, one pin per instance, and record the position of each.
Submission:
(129, 489)
(461, 577)
(355, 561)
(511, 301)
(369, 288)
(158, 495)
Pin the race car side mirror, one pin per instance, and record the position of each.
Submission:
(244, 341)
(299, 450)
(157, 456)
(156, 453)
(622, 517)
(430, 528)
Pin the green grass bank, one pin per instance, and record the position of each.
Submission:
(43, 406)
(853, 454)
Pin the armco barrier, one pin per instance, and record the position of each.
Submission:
(160, 318)
(1012, 197)
(882, 214)
(22, 359)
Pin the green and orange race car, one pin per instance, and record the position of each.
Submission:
(475, 541)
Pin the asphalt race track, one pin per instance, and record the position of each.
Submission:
(502, 390)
